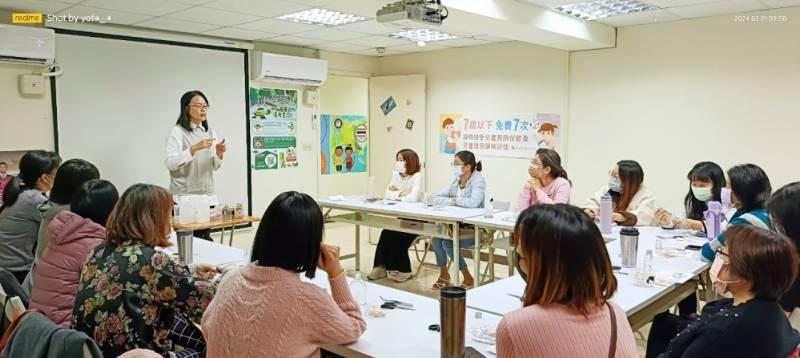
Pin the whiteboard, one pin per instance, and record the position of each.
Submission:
(118, 99)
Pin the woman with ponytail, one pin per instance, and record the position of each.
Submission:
(20, 216)
(549, 183)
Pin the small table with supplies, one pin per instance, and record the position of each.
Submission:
(218, 224)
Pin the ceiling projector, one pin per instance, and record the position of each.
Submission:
(412, 14)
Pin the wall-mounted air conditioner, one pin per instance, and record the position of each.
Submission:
(27, 45)
(281, 68)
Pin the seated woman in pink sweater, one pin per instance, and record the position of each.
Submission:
(549, 183)
(72, 237)
(566, 309)
(264, 310)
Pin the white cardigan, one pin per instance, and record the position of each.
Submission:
(410, 184)
(643, 205)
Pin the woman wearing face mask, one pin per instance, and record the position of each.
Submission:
(632, 203)
(706, 181)
(549, 183)
(391, 255)
(753, 269)
(466, 190)
(750, 190)
(20, 216)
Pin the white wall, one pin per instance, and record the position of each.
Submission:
(500, 78)
(26, 121)
(343, 95)
(678, 93)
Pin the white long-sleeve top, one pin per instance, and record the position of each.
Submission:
(191, 174)
(411, 185)
(642, 205)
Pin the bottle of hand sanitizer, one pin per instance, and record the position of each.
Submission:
(488, 204)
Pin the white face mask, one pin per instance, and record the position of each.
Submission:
(458, 170)
(400, 167)
(719, 285)
(702, 194)
(615, 185)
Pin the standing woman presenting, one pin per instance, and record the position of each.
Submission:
(194, 152)
(190, 158)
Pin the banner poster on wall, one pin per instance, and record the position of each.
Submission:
(510, 136)
(343, 143)
(273, 128)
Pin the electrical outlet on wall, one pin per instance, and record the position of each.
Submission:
(311, 97)
(31, 84)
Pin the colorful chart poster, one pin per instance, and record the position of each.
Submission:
(344, 141)
(510, 136)
(273, 128)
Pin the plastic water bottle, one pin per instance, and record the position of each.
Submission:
(713, 218)
(203, 209)
(725, 196)
(370, 187)
(605, 214)
(488, 204)
(358, 288)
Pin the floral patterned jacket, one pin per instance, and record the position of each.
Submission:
(129, 295)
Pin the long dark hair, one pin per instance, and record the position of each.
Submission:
(32, 166)
(784, 209)
(550, 158)
(703, 171)
(71, 175)
(567, 260)
(469, 159)
(631, 176)
(751, 186)
(94, 200)
(290, 234)
(183, 118)
(11, 193)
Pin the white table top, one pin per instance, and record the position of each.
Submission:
(212, 253)
(403, 333)
(400, 333)
(504, 220)
(402, 209)
(494, 298)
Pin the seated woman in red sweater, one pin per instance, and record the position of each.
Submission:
(264, 310)
(569, 283)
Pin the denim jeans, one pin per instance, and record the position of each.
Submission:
(444, 249)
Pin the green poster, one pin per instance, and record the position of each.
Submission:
(273, 128)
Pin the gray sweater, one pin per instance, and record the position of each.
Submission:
(19, 228)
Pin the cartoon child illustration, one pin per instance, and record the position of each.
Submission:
(448, 139)
(337, 158)
(258, 128)
(349, 158)
(547, 136)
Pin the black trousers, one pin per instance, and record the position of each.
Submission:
(665, 327)
(204, 234)
(688, 305)
(392, 251)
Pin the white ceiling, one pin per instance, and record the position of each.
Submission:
(253, 20)
(673, 10)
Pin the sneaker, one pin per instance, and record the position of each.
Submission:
(399, 277)
(377, 273)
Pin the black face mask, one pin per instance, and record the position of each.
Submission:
(521, 273)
